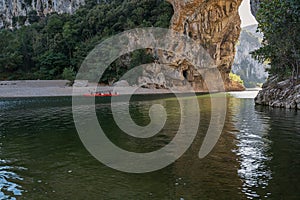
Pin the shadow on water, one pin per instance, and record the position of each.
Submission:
(42, 157)
(284, 134)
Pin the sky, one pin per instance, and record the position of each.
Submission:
(245, 14)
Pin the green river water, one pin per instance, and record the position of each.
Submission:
(42, 157)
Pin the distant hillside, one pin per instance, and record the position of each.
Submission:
(251, 71)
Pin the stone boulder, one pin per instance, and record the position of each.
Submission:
(81, 83)
(121, 83)
(283, 94)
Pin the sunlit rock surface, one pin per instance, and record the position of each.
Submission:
(215, 25)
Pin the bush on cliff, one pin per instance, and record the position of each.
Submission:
(236, 78)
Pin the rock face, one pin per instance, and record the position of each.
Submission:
(254, 6)
(250, 70)
(283, 94)
(10, 9)
(215, 25)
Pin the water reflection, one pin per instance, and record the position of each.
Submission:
(284, 132)
(215, 176)
(253, 148)
(257, 155)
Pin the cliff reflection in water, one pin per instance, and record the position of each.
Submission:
(215, 176)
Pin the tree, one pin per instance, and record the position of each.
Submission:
(69, 74)
(33, 17)
(279, 21)
(51, 64)
(10, 55)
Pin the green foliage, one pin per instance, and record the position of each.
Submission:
(51, 64)
(236, 78)
(10, 52)
(69, 74)
(59, 42)
(28, 2)
(33, 17)
(279, 20)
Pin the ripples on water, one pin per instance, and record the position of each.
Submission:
(253, 150)
(8, 180)
(41, 156)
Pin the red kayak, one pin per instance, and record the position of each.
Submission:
(100, 95)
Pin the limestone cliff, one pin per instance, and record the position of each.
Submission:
(213, 24)
(10, 9)
(250, 70)
(254, 6)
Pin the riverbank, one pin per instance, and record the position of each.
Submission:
(249, 93)
(35, 88)
(52, 88)
(280, 94)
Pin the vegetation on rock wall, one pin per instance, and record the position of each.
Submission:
(236, 78)
(54, 46)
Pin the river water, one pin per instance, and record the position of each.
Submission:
(42, 157)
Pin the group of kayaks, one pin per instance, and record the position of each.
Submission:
(101, 94)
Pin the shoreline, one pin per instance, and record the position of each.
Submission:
(59, 88)
(280, 94)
